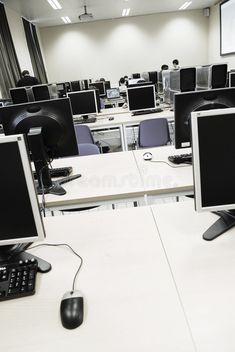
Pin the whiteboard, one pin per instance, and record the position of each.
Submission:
(227, 27)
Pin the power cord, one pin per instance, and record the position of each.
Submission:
(173, 166)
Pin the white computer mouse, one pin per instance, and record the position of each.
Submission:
(148, 156)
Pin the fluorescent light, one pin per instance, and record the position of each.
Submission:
(125, 12)
(55, 4)
(66, 19)
(185, 5)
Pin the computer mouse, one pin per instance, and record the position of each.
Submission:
(71, 309)
(148, 156)
(111, 118)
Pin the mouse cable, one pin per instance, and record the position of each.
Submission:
(62, 245)
(174, 167)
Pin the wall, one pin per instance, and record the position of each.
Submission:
(18, 36)
(113, 48)
(214, 40)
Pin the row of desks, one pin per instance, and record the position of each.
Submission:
(122, 177)
(149, 281)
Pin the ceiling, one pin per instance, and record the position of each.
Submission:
(43, 15)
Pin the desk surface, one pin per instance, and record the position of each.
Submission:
(160, 178)
(204, 273)
(125, 118)
(104, 177)
(131, 303)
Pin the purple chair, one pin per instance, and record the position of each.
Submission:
(153, 133)
(88, 149)
(83, 134)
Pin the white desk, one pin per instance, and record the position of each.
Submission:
(204, 273)
(131, 303)
(123, 121)
(105, 178)
(159, 178)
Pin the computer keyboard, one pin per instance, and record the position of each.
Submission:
(89, 120)
(181, 158)
(143, 112)
(17, 279)
(58, 172)
(68, 179)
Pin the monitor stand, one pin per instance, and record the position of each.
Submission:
(223, 224)
(17, 252)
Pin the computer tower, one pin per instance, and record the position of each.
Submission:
(211, 76)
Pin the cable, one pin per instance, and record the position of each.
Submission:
(60, 245)
(165, 162)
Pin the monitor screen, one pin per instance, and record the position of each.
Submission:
(185, 103)
(141, 98)
(20, 216)
(107, 85)
(75, 86)
(213, 145)
(231, 79)
(113, 93)
(41, 92)
(98, 85)
(19, 95)
(83, 102)
(135, 75)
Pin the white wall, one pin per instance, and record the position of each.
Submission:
(113, 48)
(18, 36)
(214, 40)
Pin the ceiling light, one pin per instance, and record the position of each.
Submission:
(55, 4)
(66, 19)
(125, 12)
(185, 5)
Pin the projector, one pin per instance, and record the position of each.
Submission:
(85, 16)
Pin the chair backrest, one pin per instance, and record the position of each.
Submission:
(83, 134)
(153, 133)
(88, 149)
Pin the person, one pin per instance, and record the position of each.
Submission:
(122, 85)
(164, 67)
(27, 80)
(175, 64)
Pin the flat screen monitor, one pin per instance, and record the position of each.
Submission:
(107, 85)
(19, 95)
(49, 129)
(75, 86)
(153, 76)
(113, 93)
(100, 86)
(135, 75)
(41, 92)
(231, 79)
(213, 145)
(185, 103)
(21, 222)
(83, 103)
(141, 98)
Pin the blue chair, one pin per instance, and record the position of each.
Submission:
(153, 133)
(88, 149)
(85, 141)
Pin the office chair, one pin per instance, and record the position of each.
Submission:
(83, 134)
(88, 149)
(153, 133)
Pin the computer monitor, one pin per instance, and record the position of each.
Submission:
(75, 86)
(19, 95)
(213, 145)
(100, 86)
(50, 133)
(107, 85)
(231, 79)
(21, 222)
(185, 103)
(113, 93)
(61, 90)
(41, 92)
(153, 76)
(135, 75)
(141, 98)
(83, 103)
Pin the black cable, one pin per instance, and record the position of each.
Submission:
(60, 245)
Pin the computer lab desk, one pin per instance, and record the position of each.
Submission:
(131, 302)
(106, 178)
(203, 271)
(122, 120)
(160, 177)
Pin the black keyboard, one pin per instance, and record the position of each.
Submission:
(143, 112)
(17, 279)
(181, 158)
(58, 172)
(89, 120)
